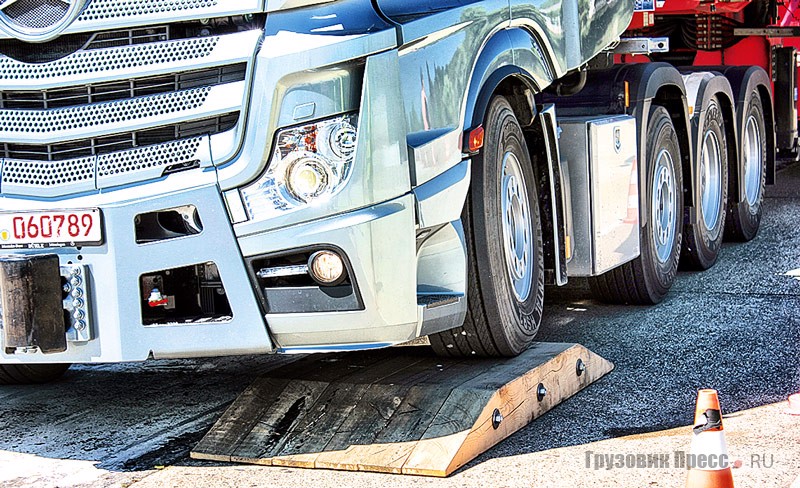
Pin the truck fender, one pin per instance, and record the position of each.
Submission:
(701, 86)
(662, 84)
(745, 79)
(500, 59)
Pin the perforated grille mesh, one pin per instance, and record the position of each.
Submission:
(48, 173)
(176, 154)
(85, 116)
(95, 61)
(109, 9)
(37, 14)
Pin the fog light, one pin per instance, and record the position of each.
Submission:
(326, 267)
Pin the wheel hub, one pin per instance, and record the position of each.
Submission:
(517, 227)
(663, 206)
(710, 180)
(752, 161)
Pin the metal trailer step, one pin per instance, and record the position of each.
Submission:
(395, 410)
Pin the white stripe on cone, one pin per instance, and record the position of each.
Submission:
(711, 443)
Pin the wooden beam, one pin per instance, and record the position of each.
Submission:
(391, 411)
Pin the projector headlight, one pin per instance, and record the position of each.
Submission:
(309, 164)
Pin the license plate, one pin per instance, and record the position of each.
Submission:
(37, 230)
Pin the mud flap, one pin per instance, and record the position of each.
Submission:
(33, 314)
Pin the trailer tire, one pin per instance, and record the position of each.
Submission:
(647, 279)
(26, 374)
(703, 234)
(744, 218)
(505, 271)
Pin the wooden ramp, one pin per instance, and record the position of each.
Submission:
(401, 410)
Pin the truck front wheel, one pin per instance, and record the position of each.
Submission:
(744, 217)
(647, 279)
(25, 374)
(504, 243)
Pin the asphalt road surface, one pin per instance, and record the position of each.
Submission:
(735, 328)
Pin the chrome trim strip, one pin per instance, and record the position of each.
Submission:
(101, 14)
(59, 125)
(128, 62)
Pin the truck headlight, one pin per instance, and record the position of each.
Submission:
(309, 164)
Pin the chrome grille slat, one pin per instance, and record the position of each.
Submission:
(120, 89)
(89, 116)
(99, 119)
(140, 12)
(139, 60)
(151, 161)
(118, 142)
(128, 13)
(112, 9)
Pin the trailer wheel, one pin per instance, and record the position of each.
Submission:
(744, 217)
(648, 278)
(25, 374)
(704, 235)
(504, 240)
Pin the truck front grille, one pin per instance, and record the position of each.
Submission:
(118, 142)
(124, 105)
(120, 90)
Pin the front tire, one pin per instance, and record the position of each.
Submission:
(504, 243)
(647, 279)
(26, 374)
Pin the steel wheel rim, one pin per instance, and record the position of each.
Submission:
(663, 206)
(710, 180)
(517, 227)
(752, 161)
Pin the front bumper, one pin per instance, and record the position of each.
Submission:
(378, 240)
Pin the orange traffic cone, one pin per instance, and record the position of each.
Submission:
(710, 466)
(633, 197)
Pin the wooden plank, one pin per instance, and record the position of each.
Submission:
(239, 419)
(270, 432)
(32, 309)
(323, 420)
(319, 425)
(414, 415)
(516, 400)
(431, 456)
(327, 367)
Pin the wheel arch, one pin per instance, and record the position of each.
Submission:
(700, 89)
(660, 84)
(518, 82)
(743, 80)
(502, 67)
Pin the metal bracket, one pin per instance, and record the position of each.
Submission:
(642, 45)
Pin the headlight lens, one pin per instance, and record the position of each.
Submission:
(309, 164)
